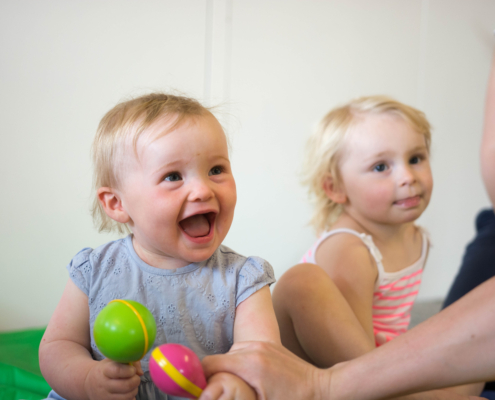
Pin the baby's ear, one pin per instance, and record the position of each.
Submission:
(334, 191)
(111, 202)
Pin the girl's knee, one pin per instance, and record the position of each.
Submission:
(301, 279)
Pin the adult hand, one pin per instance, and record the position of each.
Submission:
(270, 369)
(277, 374)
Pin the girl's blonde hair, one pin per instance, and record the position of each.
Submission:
(324, 147)
(128, 120)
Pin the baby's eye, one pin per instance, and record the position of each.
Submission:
(380, 167)
(173, 177)
(217, 170)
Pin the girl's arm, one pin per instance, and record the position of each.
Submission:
(351, 267)
(66, 362)
(255, 319)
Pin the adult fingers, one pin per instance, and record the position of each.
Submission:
(271, 370)
(234, 362)
(249, 358)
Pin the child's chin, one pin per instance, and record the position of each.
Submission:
(199, 255)
(413, 216)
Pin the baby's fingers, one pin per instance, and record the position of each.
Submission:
(115, 370)
(124, 388)
(212, 392)
(139, 369)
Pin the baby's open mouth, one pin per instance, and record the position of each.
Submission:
(198, 225)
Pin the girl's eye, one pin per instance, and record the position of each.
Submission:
(216, 170)
(380, 167)
(415, 160)
(173, 177)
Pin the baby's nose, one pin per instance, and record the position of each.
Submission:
(200, 191)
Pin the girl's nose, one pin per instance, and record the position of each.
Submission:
(200, 191)
(407, 176)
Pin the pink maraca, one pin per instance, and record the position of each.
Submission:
(176, 370)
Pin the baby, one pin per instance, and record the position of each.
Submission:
(162, 173)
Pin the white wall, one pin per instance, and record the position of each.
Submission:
(275, 66)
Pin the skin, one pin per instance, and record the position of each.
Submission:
(454, 347)
(171, 176)
(488, 139)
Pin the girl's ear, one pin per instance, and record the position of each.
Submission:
(112, 204)
(334, 191)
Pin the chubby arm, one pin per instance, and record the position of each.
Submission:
(64, 356)
(65, 360)
(255, 319)
(488, 141)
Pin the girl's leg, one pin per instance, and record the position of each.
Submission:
(316, 322)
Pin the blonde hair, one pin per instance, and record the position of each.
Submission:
(128, 120)
(324, 147)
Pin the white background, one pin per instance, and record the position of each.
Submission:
(274, 66)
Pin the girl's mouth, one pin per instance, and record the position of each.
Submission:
(198, 225)
(409, 202)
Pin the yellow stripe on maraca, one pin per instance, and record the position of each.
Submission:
(175, 374)
(145, 331)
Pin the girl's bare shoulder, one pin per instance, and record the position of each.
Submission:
(345, 253)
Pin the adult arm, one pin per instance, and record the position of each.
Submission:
(454, 347)
(488, 141)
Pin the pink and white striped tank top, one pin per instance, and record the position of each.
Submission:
(395, 292)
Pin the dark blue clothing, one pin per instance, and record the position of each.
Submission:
(478, 265)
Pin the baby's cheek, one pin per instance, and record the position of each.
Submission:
(228, 198)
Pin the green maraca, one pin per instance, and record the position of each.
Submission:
(124, 331)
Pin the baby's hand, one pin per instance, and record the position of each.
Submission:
(109, 380)
(225, 386)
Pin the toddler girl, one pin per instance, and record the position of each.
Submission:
(162, 172)
(369, 172)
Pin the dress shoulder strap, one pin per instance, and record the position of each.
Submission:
(367, 240)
